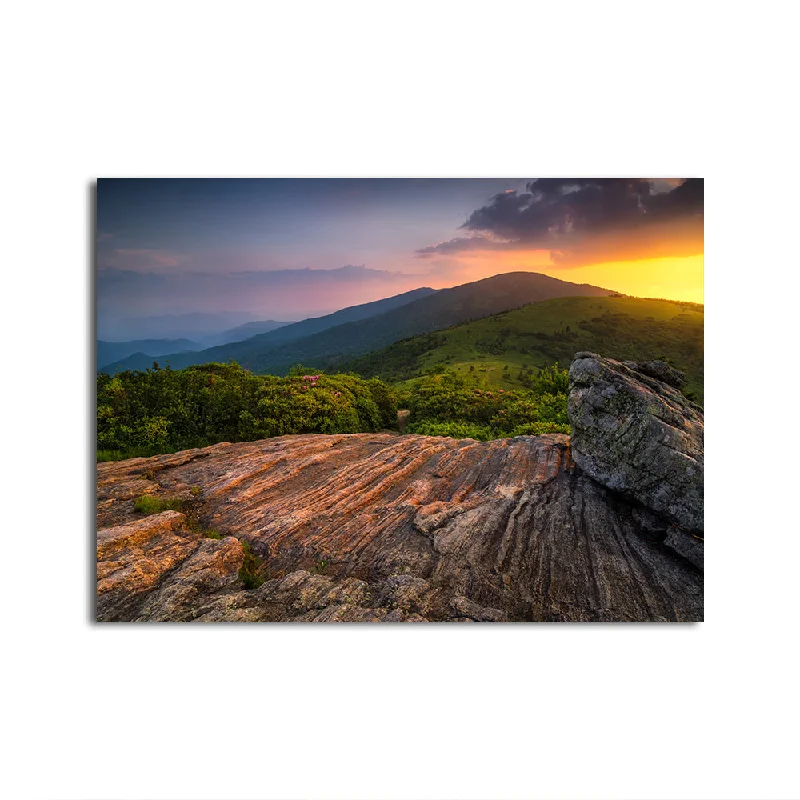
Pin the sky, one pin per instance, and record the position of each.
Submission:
(287, 249)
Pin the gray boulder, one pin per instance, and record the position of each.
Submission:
(634, 432)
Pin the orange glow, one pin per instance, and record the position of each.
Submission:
(671, 278)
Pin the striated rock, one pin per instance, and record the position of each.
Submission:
(380, 527)
(656, 369)
(635, 433)
(685, 544)
(154, 569)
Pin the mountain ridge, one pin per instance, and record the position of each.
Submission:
(241, 333)
(109, 352)
(502, 349)
(438, 309)
(285, 333)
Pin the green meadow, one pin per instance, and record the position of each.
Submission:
(508, 349)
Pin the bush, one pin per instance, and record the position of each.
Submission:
(453, 430)
(161, 411)
(385, 398)
(446, 405)
(539, 428)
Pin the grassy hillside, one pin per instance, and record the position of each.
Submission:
(505, 350)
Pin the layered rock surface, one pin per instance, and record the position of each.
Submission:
(634, 432)
(380, 527)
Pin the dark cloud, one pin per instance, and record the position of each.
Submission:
(569, 215)
(462, 244)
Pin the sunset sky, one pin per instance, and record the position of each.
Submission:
(286, 249)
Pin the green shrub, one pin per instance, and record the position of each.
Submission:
(448, 405)
(453, 430)
(161, 411)
(385, 398)
(403, 396)
(539, 428)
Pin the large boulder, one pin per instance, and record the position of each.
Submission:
(634, 432)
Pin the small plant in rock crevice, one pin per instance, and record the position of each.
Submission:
(321, 567)
(251, 573)
(149, 504)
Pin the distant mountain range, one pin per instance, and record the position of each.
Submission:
(148, 349)
(109, 352)
(324, 342)
(274, 338)
(195, 326)
(241, 332)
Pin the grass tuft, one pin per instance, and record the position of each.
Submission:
(148, 504)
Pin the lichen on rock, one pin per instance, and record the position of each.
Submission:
(635, 433)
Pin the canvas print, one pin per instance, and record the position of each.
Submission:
(399, 400)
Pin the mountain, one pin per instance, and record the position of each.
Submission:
(502, 349)
(194, 326)
(242, 332)
(279, 336)
(447, 307)
(327, 349)
(108, 352)
(308, 327)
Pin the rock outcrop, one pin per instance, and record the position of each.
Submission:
(156, 569)
(380, 527)
(635, 433)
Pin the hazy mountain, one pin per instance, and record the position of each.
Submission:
(242, 350)
(242, 332)
(193, 326)
(108, 352)
(308, 327)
